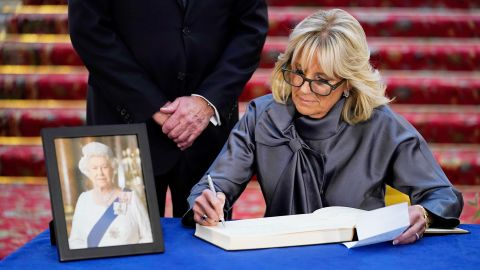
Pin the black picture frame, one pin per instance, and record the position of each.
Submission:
(59, 163)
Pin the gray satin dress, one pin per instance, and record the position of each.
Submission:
(303, 164)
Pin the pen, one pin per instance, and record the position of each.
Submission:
(212, 188)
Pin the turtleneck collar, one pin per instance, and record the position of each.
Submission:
(282, 116)
(323, 128)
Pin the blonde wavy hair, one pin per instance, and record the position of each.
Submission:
(337, 41)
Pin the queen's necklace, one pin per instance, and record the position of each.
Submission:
(106, 199)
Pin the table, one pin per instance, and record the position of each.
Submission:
(185, 251)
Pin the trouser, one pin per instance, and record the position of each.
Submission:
(181, 178)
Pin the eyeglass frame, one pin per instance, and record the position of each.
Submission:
(323, 81)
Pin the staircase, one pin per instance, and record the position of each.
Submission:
(428, 52)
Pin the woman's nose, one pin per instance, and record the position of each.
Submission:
(305, 87)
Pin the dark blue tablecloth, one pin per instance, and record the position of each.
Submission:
(185, 251)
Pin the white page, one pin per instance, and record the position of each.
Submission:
(381, 225)
(445, 231)
(282, 225)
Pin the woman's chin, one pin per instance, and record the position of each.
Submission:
(307, 112)
(103, 186)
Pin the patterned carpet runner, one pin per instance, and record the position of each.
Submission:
(427, 51)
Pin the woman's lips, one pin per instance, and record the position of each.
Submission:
(306, 100)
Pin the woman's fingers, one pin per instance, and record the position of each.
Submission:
(208, 208)
(416, 229)
(219, 203)
(216, 202)
(407, 237)
(203, 212)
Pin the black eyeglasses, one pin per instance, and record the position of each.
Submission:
(320, 87)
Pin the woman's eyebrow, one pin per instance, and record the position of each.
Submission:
(323, 75)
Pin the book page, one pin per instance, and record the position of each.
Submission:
(380, 225)
(282, 225)
(339, 212)
(445, 231)
(280, 231)
(326, 225)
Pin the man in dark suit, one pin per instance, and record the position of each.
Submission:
(191, 57)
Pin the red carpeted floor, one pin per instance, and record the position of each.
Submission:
(25, 212)
(428, 52)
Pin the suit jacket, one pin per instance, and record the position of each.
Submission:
(141, 54)
(303, 164)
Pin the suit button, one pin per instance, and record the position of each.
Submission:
(118, 108)
(181, 76)
(123, 112)
(186, 30)
(127, 116)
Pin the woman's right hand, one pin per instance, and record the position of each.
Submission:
(208, 208)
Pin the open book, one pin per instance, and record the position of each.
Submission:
(334, 224)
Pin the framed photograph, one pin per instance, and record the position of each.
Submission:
(102, 191)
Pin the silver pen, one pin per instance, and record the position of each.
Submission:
(212, 188)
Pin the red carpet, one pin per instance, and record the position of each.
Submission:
(428, 52)
(437, 124)
(385, 22)
(25, 212)
(70, 83)
(459, 161)
(387, 53)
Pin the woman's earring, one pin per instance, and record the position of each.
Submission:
(346, 93)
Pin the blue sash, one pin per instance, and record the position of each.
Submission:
(101, 226)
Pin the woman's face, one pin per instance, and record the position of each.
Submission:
(100, 172)
(308, 103)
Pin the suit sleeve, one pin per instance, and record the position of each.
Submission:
(416, 172)
(113, 70)
(234, 166)
(240, 57)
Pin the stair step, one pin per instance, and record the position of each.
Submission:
(24, 157)
(386, 22)
(387, 53)
(465, 4)
(51, 8)
(32, 49)
(389, 22)
(43, 82)
(459, 161)
(28, 117)
(407, 87)
(44, 2)
(438, 124)
(403, 53)
(21, 157)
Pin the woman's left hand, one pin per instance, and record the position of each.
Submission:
(417, 226)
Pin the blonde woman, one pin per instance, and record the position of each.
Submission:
(326, 137)
(106, 215)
